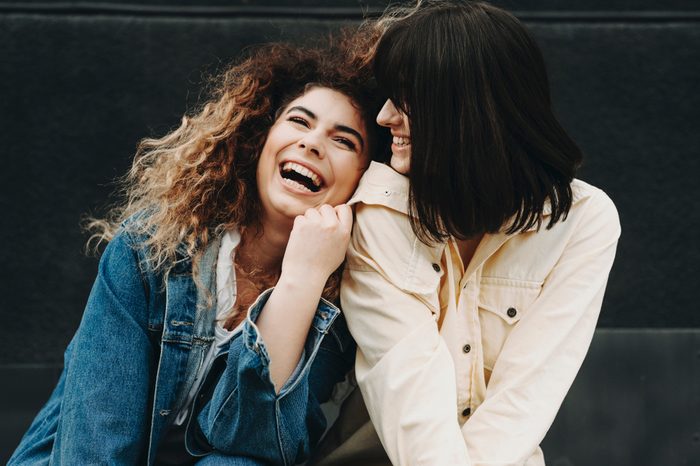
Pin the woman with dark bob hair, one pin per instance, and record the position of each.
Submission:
(186, 353)
(478, 262)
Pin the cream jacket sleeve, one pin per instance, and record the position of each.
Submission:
(402, 362)
(543, 353)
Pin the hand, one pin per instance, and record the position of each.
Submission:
(317, 243)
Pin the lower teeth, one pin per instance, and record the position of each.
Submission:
(296, 184)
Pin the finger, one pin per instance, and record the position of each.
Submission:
(344, 213)
(328, 213)
(299, 220)
(312, 214)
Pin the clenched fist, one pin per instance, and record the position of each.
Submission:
(318, 242)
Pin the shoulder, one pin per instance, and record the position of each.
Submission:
(381, 205)
(383, 240)
(381, 208)
(592, 206)
(586, 192)
(127, 258)
(382, 186)
(591, 224)
(587, 236)
(138, 234)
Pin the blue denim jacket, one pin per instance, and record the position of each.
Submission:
(134, 357)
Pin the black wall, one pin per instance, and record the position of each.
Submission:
(81, 83)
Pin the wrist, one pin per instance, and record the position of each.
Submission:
(308, 282)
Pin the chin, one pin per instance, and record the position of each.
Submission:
(400, 164)
(292, 207)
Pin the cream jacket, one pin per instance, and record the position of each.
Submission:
(470, 367)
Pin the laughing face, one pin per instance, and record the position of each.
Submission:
(397, 122)
(314, 154)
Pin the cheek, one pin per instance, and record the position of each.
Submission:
(265, 171)
(267, 160)
(347, 178)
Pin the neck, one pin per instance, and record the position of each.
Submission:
(263, 246)
(467, 248)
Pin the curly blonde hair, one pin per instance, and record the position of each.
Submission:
(200, 179)
(192, 184)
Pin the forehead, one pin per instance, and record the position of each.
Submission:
(330, 106)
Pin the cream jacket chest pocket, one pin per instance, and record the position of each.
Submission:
(502, 303)
(394, 252)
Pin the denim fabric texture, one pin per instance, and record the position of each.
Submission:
(224, 413)
(216, 459)
(133, 360)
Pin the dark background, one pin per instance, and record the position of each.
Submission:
(82, 82)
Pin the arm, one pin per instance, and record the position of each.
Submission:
(111, 349)
(294, 348)
(543, 353)
(241, 413)
(315, 249)
(99, 408)
(402, 362)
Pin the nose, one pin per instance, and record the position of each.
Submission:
(311, 143)
(389, 115)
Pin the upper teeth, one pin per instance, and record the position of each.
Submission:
(291, 166)
(400, 141)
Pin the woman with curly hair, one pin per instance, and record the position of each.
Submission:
(181, 355)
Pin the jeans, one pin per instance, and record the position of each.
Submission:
(216, 459)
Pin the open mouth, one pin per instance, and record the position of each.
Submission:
(299, 176)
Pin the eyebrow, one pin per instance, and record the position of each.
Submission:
(343, 128)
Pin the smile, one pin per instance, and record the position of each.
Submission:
(401, 141)
(298, 176)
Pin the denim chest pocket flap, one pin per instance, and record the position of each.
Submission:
(502, 303)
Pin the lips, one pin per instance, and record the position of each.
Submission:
(301, 177)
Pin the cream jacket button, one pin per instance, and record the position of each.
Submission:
(511, 312)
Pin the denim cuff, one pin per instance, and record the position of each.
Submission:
(326, 313)
(242, 415)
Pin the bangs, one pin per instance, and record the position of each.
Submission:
(393, 62)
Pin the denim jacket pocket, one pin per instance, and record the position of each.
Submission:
(502, 303)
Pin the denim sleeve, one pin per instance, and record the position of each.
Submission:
(99, 411)
(243, 416)
(37, 443)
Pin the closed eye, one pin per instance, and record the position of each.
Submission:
(346, 142)
(299, 120)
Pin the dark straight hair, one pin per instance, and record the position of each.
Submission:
(487, 152)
